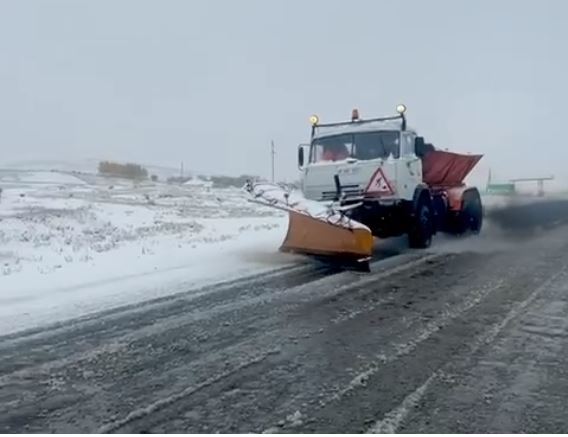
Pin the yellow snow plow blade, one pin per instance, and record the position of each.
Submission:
(312, 236)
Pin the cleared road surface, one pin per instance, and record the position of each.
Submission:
(471, 336)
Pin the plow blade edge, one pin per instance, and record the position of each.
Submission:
(311, 236)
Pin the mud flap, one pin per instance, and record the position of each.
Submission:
(328, 242)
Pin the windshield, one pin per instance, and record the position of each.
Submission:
(362, 146)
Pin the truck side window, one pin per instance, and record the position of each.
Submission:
(407, 144)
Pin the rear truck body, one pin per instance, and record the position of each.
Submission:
(383, 180)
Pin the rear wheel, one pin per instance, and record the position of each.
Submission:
(422, 229)
(472, 213)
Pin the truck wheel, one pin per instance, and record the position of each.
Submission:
(420, 234)
(472, 214)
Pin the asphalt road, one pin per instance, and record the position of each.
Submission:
(471, 336)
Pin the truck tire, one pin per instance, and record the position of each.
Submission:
(422, 224)
(472, 213)
(440, 211)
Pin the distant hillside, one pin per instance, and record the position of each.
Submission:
(84, 166)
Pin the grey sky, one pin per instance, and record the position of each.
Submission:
(211, 82)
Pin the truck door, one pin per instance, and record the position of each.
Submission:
(409, 167)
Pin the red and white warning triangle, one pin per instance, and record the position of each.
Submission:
(379, 184)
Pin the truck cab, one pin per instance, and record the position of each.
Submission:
(372, 159)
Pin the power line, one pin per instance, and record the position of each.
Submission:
(272, 153)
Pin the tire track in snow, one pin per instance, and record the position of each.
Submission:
(141, 413)
(449, 315)
(406, 348)
(391, 421)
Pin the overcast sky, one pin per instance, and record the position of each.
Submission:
(212, 82)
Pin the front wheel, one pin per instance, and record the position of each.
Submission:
(420, 234)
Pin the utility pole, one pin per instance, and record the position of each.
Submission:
(181, 171)
(272, 153)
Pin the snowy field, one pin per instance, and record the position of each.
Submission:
(74, 244)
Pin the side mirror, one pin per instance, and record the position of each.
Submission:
(301, 157)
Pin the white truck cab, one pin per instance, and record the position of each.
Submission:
(372, 159)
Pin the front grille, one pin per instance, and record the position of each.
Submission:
(331, 195)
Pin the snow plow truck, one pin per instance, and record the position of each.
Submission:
(374, 178)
